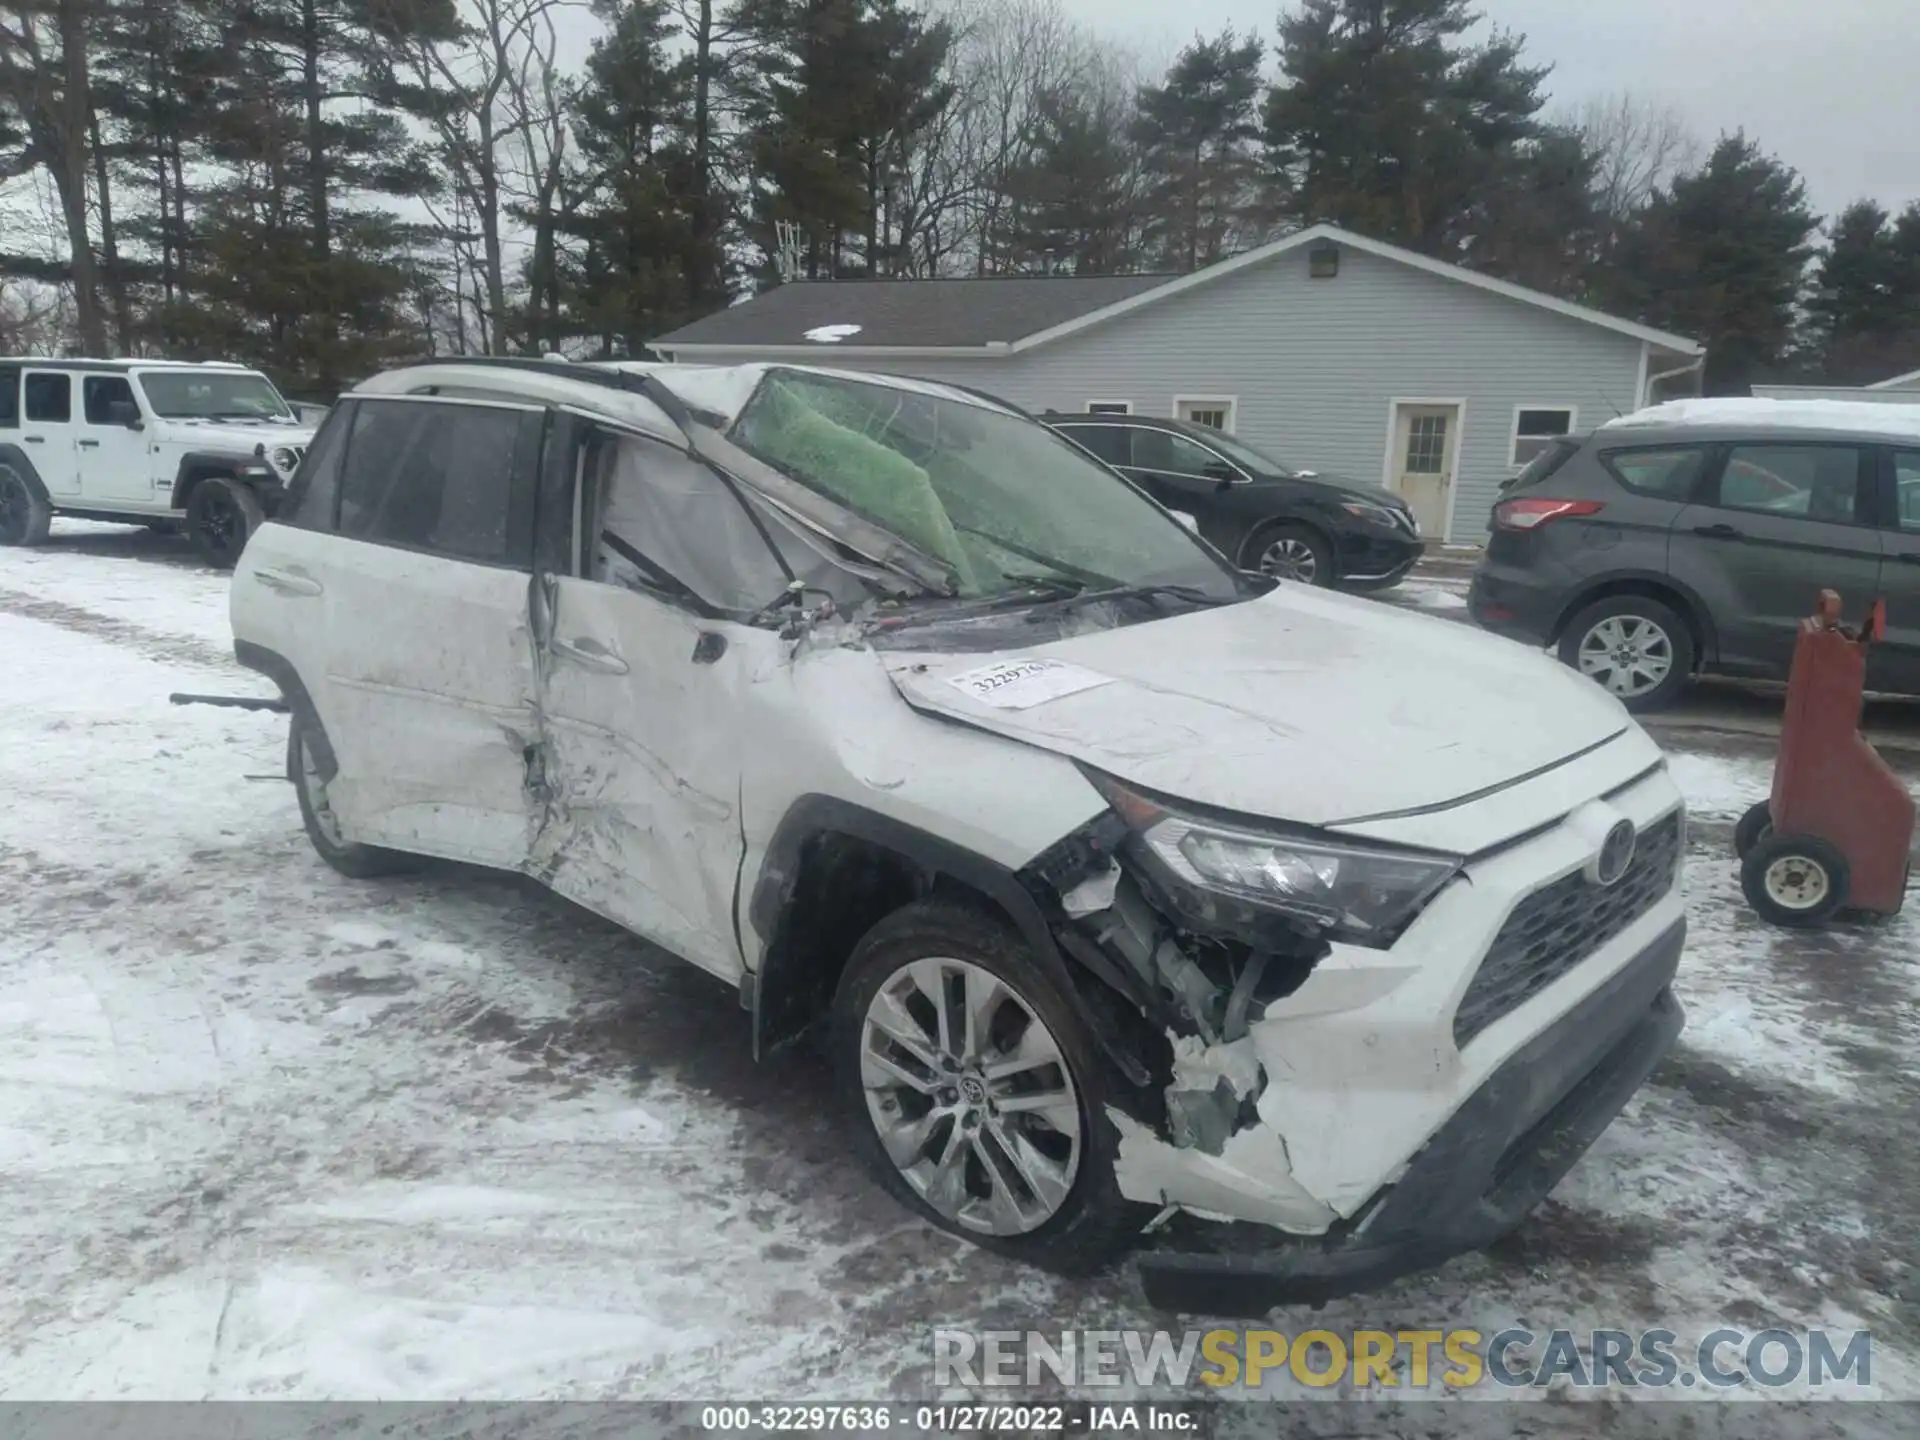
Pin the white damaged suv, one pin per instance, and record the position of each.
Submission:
(205, 447)
(1121, 883)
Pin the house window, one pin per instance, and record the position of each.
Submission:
(1323, 262)
(1426, 444)
(1535, 428)
(1109, 407)
(1213, 411)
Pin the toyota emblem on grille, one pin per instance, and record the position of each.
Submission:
(1616, 853)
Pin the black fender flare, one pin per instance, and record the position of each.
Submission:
(772, 903)
(14, 456)
(277, 668)
(197, 465)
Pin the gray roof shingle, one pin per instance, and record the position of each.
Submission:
(948, 313)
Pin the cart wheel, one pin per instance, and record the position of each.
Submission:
(1754, 826)
(1794, 879)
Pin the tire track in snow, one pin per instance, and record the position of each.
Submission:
(154, 644)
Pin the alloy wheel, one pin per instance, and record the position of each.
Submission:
(219, 523)
(971, 1096)
(1629, 654)
(1290, 558)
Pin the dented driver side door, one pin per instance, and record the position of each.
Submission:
(643, 711)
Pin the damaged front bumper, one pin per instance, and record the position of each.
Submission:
(1479, 1175)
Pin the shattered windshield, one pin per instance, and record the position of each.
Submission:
(212, 395)
(1001, 501)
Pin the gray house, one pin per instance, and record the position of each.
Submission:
(1335, 352)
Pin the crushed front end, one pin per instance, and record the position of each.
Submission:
(1355, 1078)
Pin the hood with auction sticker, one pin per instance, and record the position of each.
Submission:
(1303, 705)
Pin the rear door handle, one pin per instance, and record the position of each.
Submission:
(90, 444)
(591, 655)
(35, 439)
(289, 582)
(1911, 557)
(1718, 532)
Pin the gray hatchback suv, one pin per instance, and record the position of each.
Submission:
(1692, 537)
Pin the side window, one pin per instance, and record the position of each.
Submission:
(9, 397)
(1535, 430)
(1109, 442)
(450, 478)
(1906, 490)
(1665, 474)
(49, 397)
(99, 393)
(314, 493)
(1174, 454)
(1806, 482)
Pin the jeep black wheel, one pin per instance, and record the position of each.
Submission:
(221, 514)
(24, 515)
(974, 1092)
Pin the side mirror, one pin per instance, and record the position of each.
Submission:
(1221, 471)
(125, 413)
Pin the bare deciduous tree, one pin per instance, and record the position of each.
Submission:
(1640, 146)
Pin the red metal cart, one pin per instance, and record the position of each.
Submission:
(1838, 830)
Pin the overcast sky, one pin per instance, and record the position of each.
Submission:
(1830, 86)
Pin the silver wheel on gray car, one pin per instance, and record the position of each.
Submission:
(970, 1096)
(1629, 654)
(1634, 645)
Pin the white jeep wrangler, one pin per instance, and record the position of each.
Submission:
(209, 447)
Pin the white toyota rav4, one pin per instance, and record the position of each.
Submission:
(209, 447)
(1121, 883)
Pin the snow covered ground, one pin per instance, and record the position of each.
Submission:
(267, 1132)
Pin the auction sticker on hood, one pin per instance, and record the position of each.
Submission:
(1022, 684)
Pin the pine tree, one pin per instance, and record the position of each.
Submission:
(1538, 224)
(1721, 255)
(1197, 133)
(1864, 311)
(1073, 203)
(630, 209)
(1388, 121)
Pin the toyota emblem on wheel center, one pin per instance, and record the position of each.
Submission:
(1616, 853)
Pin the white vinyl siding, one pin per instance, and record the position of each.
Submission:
(1313, 365)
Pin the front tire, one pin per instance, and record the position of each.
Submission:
(1638, 648)
(25, 516)
(221, 514)
(359, 862)
(1292, 552)
(974, 1093)
(1795, 880)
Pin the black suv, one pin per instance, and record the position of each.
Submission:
(1317, 529)
(1693, 537)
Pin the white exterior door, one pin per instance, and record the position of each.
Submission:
(47, 430)
(113, 458)
(1425, 445)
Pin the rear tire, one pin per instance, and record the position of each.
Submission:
(221, 514)
(25, 515)
(1291, 552)
(359, 862)
(1795, 880)
(1753, 827)
(1636, 647)
(1072, 1218)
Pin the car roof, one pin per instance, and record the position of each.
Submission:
(1136, 422)
(75, 362)
(612, 389)
(1732, 418)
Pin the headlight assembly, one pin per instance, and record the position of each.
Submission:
(1364, 894)
(284, 459)
(1363, 510)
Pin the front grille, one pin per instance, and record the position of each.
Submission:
(1561, 924)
